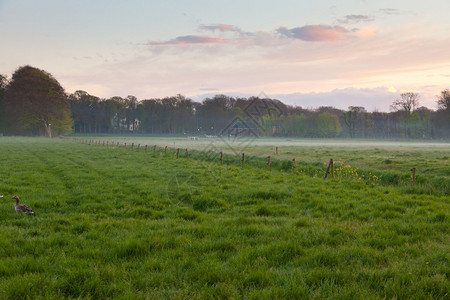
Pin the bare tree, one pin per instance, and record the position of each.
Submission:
(407, 102)
(443, 101)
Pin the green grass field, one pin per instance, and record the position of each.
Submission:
(116, 223)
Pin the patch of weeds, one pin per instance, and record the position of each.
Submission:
(287, 165)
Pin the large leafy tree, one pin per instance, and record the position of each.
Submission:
(84, 109)
(36, 104)
(328, 125)
(353, 119)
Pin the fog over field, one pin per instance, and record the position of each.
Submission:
(201, 142)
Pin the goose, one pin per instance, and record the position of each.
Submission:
(22, 207)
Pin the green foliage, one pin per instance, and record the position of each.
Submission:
(36, 104)
(328, 125)
(113, 223)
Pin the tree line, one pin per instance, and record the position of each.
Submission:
(33, 103)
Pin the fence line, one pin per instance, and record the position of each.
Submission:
(289, 164)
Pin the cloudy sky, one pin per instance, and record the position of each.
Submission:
(305, 53)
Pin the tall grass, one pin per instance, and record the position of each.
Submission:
(111, 222)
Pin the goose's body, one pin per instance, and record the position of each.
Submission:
(22, 207)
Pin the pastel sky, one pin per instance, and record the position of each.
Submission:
(305, 53)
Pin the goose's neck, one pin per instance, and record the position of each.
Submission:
(17, 201)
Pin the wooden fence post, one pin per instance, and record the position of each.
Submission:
(145, 148)
(276, 150)
(330, 164)
(268, 161)
(178, 152)
(221, 158)
(295, 163)
(132, 146)
(165, 150)
(139, 146)
(154, 150)
(187, 153)
(243, 159)
(413, 170)
(332, 167)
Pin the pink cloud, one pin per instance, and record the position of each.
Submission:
(191, 39)
(315, 33)
(366, 32)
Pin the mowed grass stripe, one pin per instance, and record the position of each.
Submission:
(130, 225)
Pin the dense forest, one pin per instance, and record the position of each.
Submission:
(32, 103)
(222, 114)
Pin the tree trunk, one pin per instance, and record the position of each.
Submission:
(48, 129)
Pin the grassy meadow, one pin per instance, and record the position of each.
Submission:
(112, 222)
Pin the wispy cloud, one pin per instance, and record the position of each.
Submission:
(220, 28)
(354, 19)
(315, 33)
(209, 89)
(391, 11)
(191, 39)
